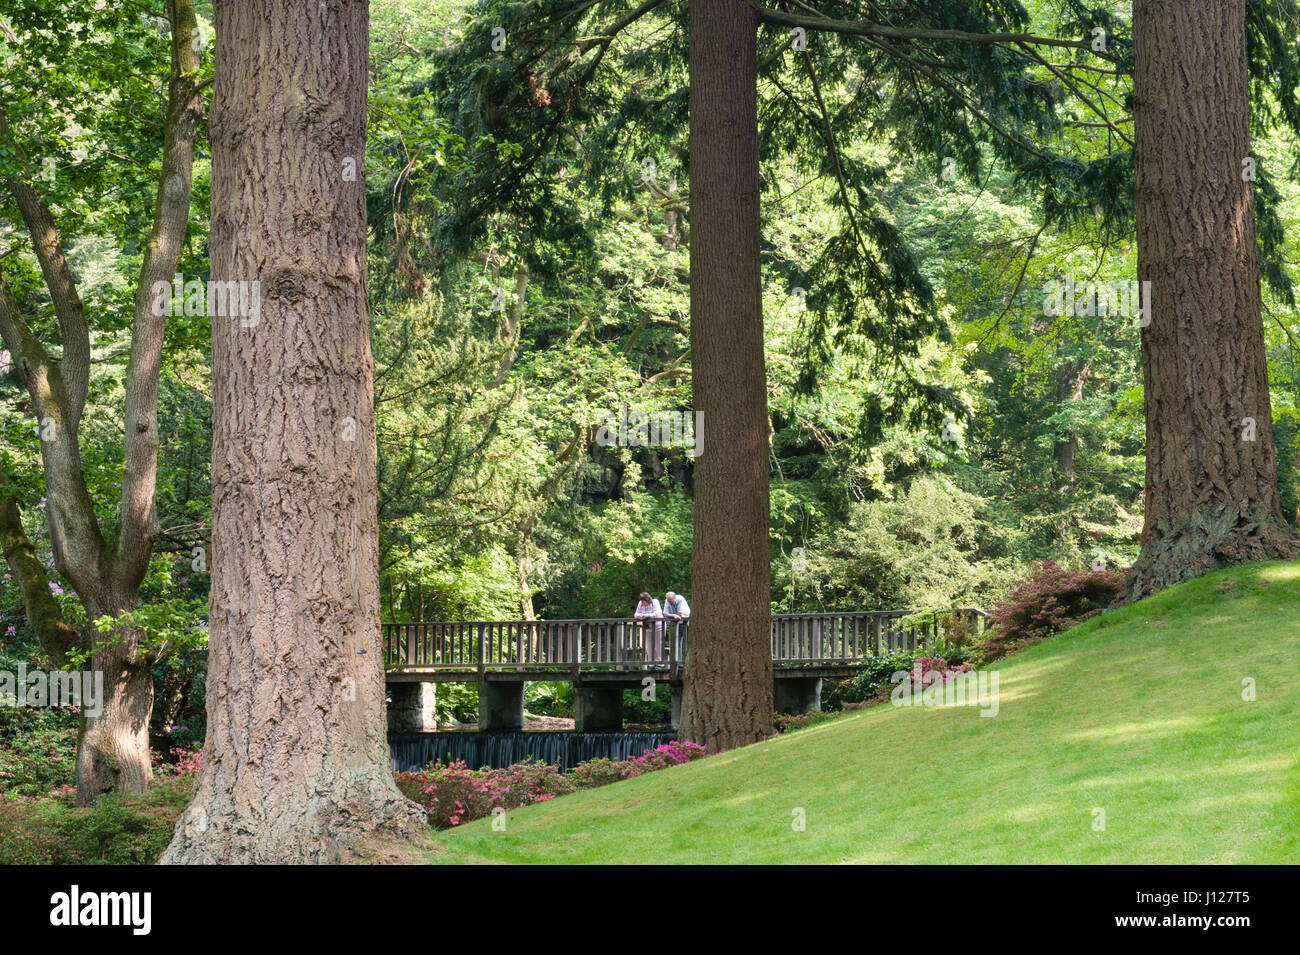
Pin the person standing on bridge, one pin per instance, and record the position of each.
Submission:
(676, 608)
(651, 634)
(648, 608)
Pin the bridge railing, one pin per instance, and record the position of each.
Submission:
(485, 644)
(842, 638)
(807, 639)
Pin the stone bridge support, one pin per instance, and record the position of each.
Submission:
(796, 695)
(411, 709)
(500, 706)
(598, 708)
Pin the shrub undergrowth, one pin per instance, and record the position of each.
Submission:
(1048, 602)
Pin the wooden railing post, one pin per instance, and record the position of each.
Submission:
(482, 650)
(578, 640)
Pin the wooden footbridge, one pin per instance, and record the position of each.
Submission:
(525, 650)
(602, 657)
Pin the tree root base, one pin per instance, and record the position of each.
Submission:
(1203, 546)
(326, 830)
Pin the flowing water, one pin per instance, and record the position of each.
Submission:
(413, 751)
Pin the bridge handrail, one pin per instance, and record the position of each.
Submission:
(821, 637)
(775, 616)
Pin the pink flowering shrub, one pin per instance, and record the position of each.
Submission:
(946, 671)
(598, 772)
(661, 757)
(184, 764)
(455, 794)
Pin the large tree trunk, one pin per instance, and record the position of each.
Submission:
(296, 762)
(728, 692)
(1211, 481)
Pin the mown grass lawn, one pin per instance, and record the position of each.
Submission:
(1138, 713)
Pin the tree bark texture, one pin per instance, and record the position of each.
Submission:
(727, 699)
(296, 762)
(1211, 475)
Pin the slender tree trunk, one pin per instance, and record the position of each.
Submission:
(525, 591)
(1069, 387)
(296, 762)
(1211, 481)
(56, 635)
(728, 691)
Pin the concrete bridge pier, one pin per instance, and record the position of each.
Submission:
(797, 695)
(412, 707)
(500, 706)
(677, 705)
(598, 709)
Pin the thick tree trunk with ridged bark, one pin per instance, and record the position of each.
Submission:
(296, 762)
(1211, 487)
(728, 687)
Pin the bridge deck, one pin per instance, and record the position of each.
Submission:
(613, 650)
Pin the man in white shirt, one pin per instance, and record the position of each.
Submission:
(677, 609)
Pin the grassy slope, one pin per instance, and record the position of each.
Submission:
(1138, 712)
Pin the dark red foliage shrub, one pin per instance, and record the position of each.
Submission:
(1049, 601)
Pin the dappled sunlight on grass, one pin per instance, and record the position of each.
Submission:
(1241, 772)
(1260, 799)
(1132, 732)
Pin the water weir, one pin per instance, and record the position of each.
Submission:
(412, 751)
